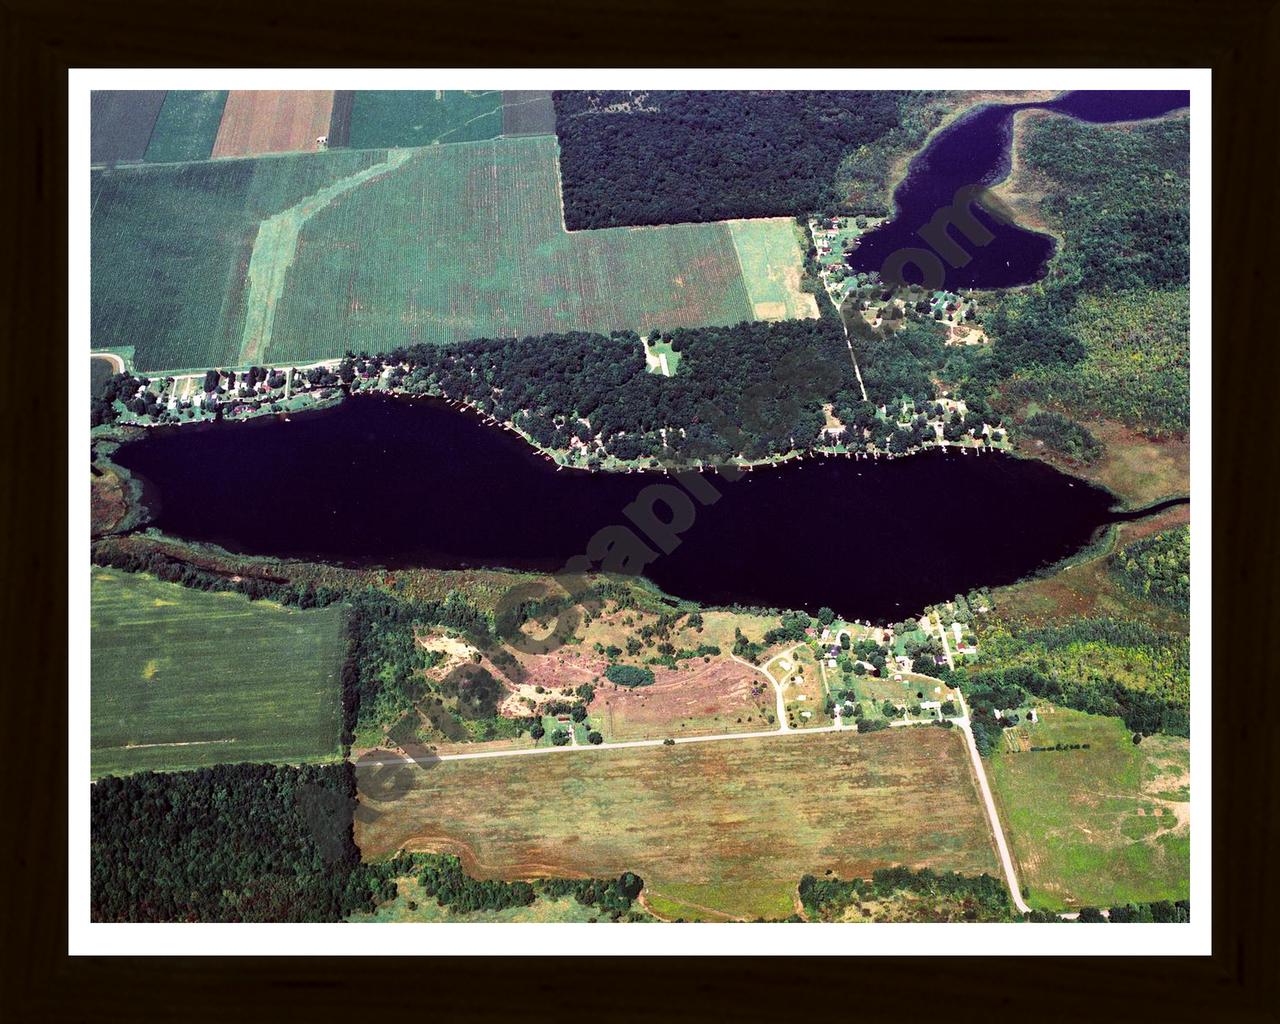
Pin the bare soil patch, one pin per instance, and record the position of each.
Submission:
(273, 121)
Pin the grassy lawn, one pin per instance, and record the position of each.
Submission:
(804, 692)
(730, 826)
(1101, 826)
(182, 678)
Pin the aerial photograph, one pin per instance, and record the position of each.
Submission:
(638, 506)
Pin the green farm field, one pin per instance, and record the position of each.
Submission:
(383, 119)
(171, 248)
(187, 126)
(182, 678)
(296, 258)
(1095, 827)
(468, 241)
(726, 826)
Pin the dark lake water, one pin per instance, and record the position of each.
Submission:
(395, 482)
(975, 151)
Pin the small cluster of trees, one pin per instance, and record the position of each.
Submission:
(629, 675)
(1064, 435)
(943, 896)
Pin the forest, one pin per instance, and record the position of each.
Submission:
(752, 389)
(1158, 568)
(172, 847)
(1115, 303)
(670, 157)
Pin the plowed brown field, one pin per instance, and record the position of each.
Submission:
(261, 121)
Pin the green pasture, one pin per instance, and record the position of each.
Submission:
(182, 678)
(1101, 826)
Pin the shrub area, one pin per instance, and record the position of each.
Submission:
(1101, 666)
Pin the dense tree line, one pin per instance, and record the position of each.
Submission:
(176, 570)
(239, 842)
(1158, 911)
(668, 157)
(750, 389)
(443, 878)
(613, 896)
(1158, 568)
(954, 897)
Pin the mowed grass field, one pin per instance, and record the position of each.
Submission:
(468, 241)
(768, 250)
(726, 828)
(1098, 827)
(182, 678)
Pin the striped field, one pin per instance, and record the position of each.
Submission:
(293, 259)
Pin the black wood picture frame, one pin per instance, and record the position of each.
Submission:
(43, 38)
